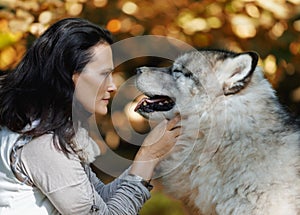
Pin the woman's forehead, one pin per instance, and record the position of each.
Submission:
(102, 58)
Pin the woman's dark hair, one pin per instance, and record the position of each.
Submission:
(41, 86)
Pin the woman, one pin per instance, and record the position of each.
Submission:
(45, 150)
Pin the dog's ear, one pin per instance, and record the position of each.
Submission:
(239, 71)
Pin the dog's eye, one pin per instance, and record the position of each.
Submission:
(177, 73)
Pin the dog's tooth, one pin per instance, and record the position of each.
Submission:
(166, 101)
(160, 103)
(144, 103)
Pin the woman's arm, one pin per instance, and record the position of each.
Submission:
(158, 143)
(65, 183)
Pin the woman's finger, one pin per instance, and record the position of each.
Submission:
(176, 131)
(172, 123)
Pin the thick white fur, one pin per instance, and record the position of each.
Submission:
(238, 154)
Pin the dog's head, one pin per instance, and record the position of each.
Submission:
(195, 77)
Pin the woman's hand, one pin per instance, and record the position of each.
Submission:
(160, 140)
(155, 146)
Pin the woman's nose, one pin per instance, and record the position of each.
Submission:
(111, 86)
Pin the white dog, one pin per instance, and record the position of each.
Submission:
(239, 151)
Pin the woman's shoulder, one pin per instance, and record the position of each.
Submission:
(41, 143)
(43, 147)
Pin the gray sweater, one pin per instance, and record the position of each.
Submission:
(72, 187)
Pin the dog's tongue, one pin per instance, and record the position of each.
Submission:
(139, 104)
(145, 101)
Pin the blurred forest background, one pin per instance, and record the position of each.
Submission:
(269, 27)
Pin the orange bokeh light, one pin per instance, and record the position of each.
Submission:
(114, 25)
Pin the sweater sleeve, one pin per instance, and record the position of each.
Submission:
(107, 191)
(71, 189)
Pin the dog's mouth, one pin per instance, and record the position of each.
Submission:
(155, 103)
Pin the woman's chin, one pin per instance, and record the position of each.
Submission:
(101, 110)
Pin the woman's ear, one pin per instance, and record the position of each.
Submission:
(75, 78)
(239, 70)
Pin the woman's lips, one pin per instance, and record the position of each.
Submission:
(106, 100)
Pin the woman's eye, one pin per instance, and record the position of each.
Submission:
(106, 73)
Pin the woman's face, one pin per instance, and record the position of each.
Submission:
(94, 84)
